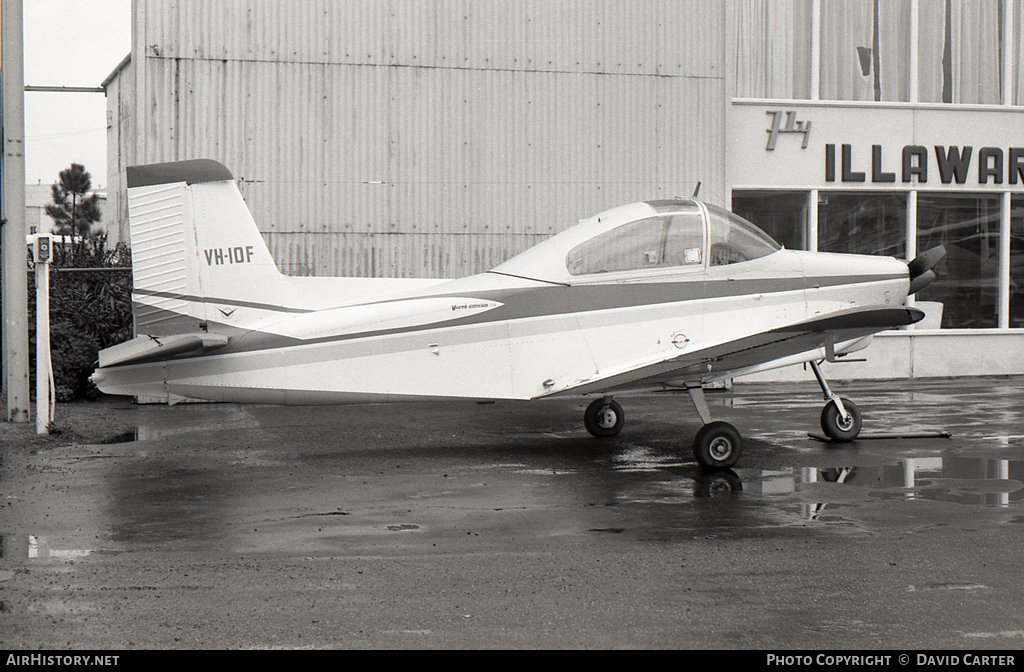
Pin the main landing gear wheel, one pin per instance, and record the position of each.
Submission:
(835, 426)
(717, 446)
(604, 417)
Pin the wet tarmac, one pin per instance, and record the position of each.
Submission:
(462, 525)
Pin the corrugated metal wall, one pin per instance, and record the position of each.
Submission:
(121, 143)
(432, 138)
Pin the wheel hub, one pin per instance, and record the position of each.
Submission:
(720, 448)
(606, 419)
(844, 423)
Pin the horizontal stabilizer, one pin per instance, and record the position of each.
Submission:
(148, 348)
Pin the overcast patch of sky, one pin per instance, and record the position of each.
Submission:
(70, 43)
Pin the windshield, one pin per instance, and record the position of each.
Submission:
(734, 239)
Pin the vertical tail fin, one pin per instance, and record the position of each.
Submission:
(198, 259)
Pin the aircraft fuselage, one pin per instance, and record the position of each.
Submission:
(495, 336)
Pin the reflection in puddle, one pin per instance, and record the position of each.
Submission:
(971, 481)
(717, 484)
(837, 497)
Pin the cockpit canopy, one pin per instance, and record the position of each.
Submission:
(679, 235)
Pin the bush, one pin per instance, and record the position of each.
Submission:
(89, 310)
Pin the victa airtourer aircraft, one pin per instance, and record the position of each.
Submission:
(659, 295)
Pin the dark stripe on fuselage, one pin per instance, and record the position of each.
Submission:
(223, 302)
(545, 301)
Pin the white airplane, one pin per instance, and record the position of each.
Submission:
(660, 295)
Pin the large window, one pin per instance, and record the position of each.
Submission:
(780, 214)
(1017, 261)
(862, 223)
(967, 282)
(960, 52)
(865, 53)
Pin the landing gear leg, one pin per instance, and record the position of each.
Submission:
(840, 419)
(717, 445)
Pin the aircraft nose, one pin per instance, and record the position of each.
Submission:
(921, 268)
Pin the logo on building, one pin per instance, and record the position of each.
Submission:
(792, 126)
(953, 164)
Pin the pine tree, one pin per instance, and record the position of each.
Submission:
(74, 210)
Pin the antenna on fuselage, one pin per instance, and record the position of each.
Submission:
(696, 190)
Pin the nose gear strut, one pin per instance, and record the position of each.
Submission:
(840, 419)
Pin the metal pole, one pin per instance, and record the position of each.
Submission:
(911, 235)
(14, 300)
(1003, 284)
(812, 220)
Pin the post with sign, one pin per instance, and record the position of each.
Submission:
(44, 370)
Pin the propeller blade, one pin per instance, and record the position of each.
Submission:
(921, 281)
(925, 262)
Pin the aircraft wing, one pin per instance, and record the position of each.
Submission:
(722, 359)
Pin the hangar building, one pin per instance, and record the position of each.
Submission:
(409, 138)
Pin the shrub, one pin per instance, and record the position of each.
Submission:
(89, 310)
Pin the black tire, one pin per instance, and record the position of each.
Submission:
(834, 426)
(717, 446)
(604, 418)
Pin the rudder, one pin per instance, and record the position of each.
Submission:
(198, 258)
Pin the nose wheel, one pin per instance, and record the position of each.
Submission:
(837, 426)
(840, 419)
